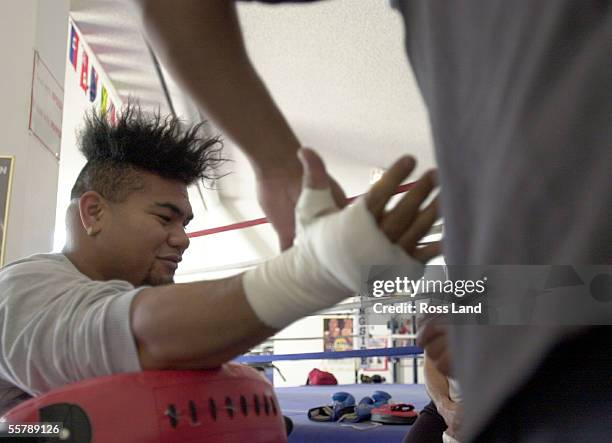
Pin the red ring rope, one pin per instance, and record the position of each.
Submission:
(261, 221)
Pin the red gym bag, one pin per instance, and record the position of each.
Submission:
(318, 377)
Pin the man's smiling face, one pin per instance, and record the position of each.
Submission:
(143, 238)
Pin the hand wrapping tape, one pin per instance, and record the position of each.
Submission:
(324, 266)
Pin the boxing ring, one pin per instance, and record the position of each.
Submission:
(296, 401)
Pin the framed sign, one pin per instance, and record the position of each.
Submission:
(6, 178)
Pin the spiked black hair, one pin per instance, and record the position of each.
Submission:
(142, 142)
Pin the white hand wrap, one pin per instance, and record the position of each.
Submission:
(324, 266)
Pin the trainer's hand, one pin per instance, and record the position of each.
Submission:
(452, 413)
(334, 245)
(406, 223)
(279, 190)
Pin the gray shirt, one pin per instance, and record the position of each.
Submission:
(58, 327)
(520, 103)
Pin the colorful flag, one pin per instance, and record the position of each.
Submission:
(93, 85)
(103, 101)
(84, 71)
(74, 47)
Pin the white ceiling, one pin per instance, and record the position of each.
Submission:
(336, 68)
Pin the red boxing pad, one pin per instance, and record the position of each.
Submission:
(233, 403)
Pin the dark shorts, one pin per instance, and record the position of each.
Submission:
(428, 428)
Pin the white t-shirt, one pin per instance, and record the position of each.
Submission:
(57, 326)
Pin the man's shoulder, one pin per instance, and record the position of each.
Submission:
(37, 269)
(50, 276)
(38, 262)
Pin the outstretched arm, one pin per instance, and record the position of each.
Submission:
(195, 325)
(204, 324)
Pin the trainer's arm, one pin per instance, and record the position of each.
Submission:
(435, 382)
(438, 389)
(194, 325)
(201, 43)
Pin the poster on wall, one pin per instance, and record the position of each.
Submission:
(46, 107)
(338, 334)
(6, 176)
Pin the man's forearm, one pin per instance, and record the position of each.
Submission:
(435, 383)
(210, 59)
(194, 325)
(439, 390)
